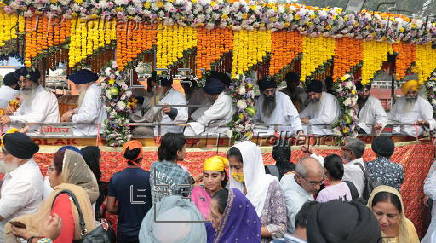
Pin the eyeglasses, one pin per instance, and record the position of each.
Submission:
(314, 183)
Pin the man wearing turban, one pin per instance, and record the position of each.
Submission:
(90, 112)
(214, 120)
(323, 109)
(39, 105)
(372, 116)
(276, 109)
(413, 110)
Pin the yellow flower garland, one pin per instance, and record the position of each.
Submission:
(249, 48)
(316, 51)
(8, 27)
(425, 63)
(172, 41)
(374, 54)
(87, 36)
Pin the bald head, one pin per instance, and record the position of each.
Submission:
(309, 167)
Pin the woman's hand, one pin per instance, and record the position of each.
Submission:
(52, 227)
(22, 233)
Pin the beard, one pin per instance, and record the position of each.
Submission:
(410, 104)
(362, 100)
(268, 105)
(80, 99)
(8, 167)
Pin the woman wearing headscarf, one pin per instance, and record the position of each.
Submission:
(214, 178)
(68, 171)
(342, 222)
(161, 223)
(387, 205)
(234, 218)
(264, 192)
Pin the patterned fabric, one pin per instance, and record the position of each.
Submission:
(274, 216)
(44, 240)
(168, 178)
(385, 172)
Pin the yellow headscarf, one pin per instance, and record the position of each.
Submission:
(410, 85)
(407, 229)
(215, 163)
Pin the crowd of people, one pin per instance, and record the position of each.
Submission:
(337, 198)
(206, 111)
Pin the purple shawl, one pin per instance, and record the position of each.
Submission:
(240, 222)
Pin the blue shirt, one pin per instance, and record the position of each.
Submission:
(131, 188)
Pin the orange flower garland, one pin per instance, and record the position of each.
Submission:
(133, 39)
(286, 45)
(211, 45)
(406, 56)
(349, 52)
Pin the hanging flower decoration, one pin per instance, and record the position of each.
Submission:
(249, 48)
(431, 90)
(374, 54)
(406, 56)
(347, 98)
(425, 63)
(348, 56)
(242, 126)
(317, 52)
(8, 27)
(286, 46)
(119, 104)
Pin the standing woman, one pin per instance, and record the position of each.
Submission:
(215, 179)
(264, 192)
(387, 205)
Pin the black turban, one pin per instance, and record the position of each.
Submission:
(83, 76)
(314, 86)
(292, 77)
(10, 79)
(267, 83)
(360, 86)
(29, 73)
(20, 145)
(383, 146)
(342, 222)
(214, 86)
(223, 77)
(166, 82)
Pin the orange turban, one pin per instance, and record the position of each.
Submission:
(410, 85)
(132, 145)
(215, 163)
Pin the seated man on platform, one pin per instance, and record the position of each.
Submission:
(372, 115)
(91, 112)
(195, 96)
(166, 97)
(294, 91)
(38, 106)
(214, 120)
(322, 111)
(9, 90)
(276, 110)
(413, 111)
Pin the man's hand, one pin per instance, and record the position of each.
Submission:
(377, 126)
(66, 117)
(422, 122)
(166, 109)
(9, 110)
(5, 120)
(305, 121)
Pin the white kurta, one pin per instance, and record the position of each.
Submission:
(325, 111)
(90, 113)
(421, 111)
(6, 94)
(430, 191)
(284, 113)
(173, 97)
(219, 114)
(42, 108)
(372, 113)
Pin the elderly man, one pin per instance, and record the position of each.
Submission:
(276, 110)
(22, 188)
(38, 106)
(90, 112)
(352, 156)
(214, 120)
(9, 90)
(299, 188)
(412, 109)
(372, 116)
(322, 111)
(294, 91)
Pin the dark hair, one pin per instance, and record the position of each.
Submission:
(170, 144)
(292, 77)
(58, 161)
(91, 155)
(226, 179)
(234, 152)
(387, 197)
(282, 154)
(132, 156)
(333, 164)
(383, 146)
(221, 197)
(303, 215)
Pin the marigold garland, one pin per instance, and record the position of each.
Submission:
(374, 54)
(133, 38)
(212, 44)
(285, 48)
(425, 62)
(8, 27)
(249, 48)
(348, 54)
(172, 41)
(406, 56)
(316, 52)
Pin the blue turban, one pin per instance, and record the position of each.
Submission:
(10, 79)
(213, 86)
(83, 76)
